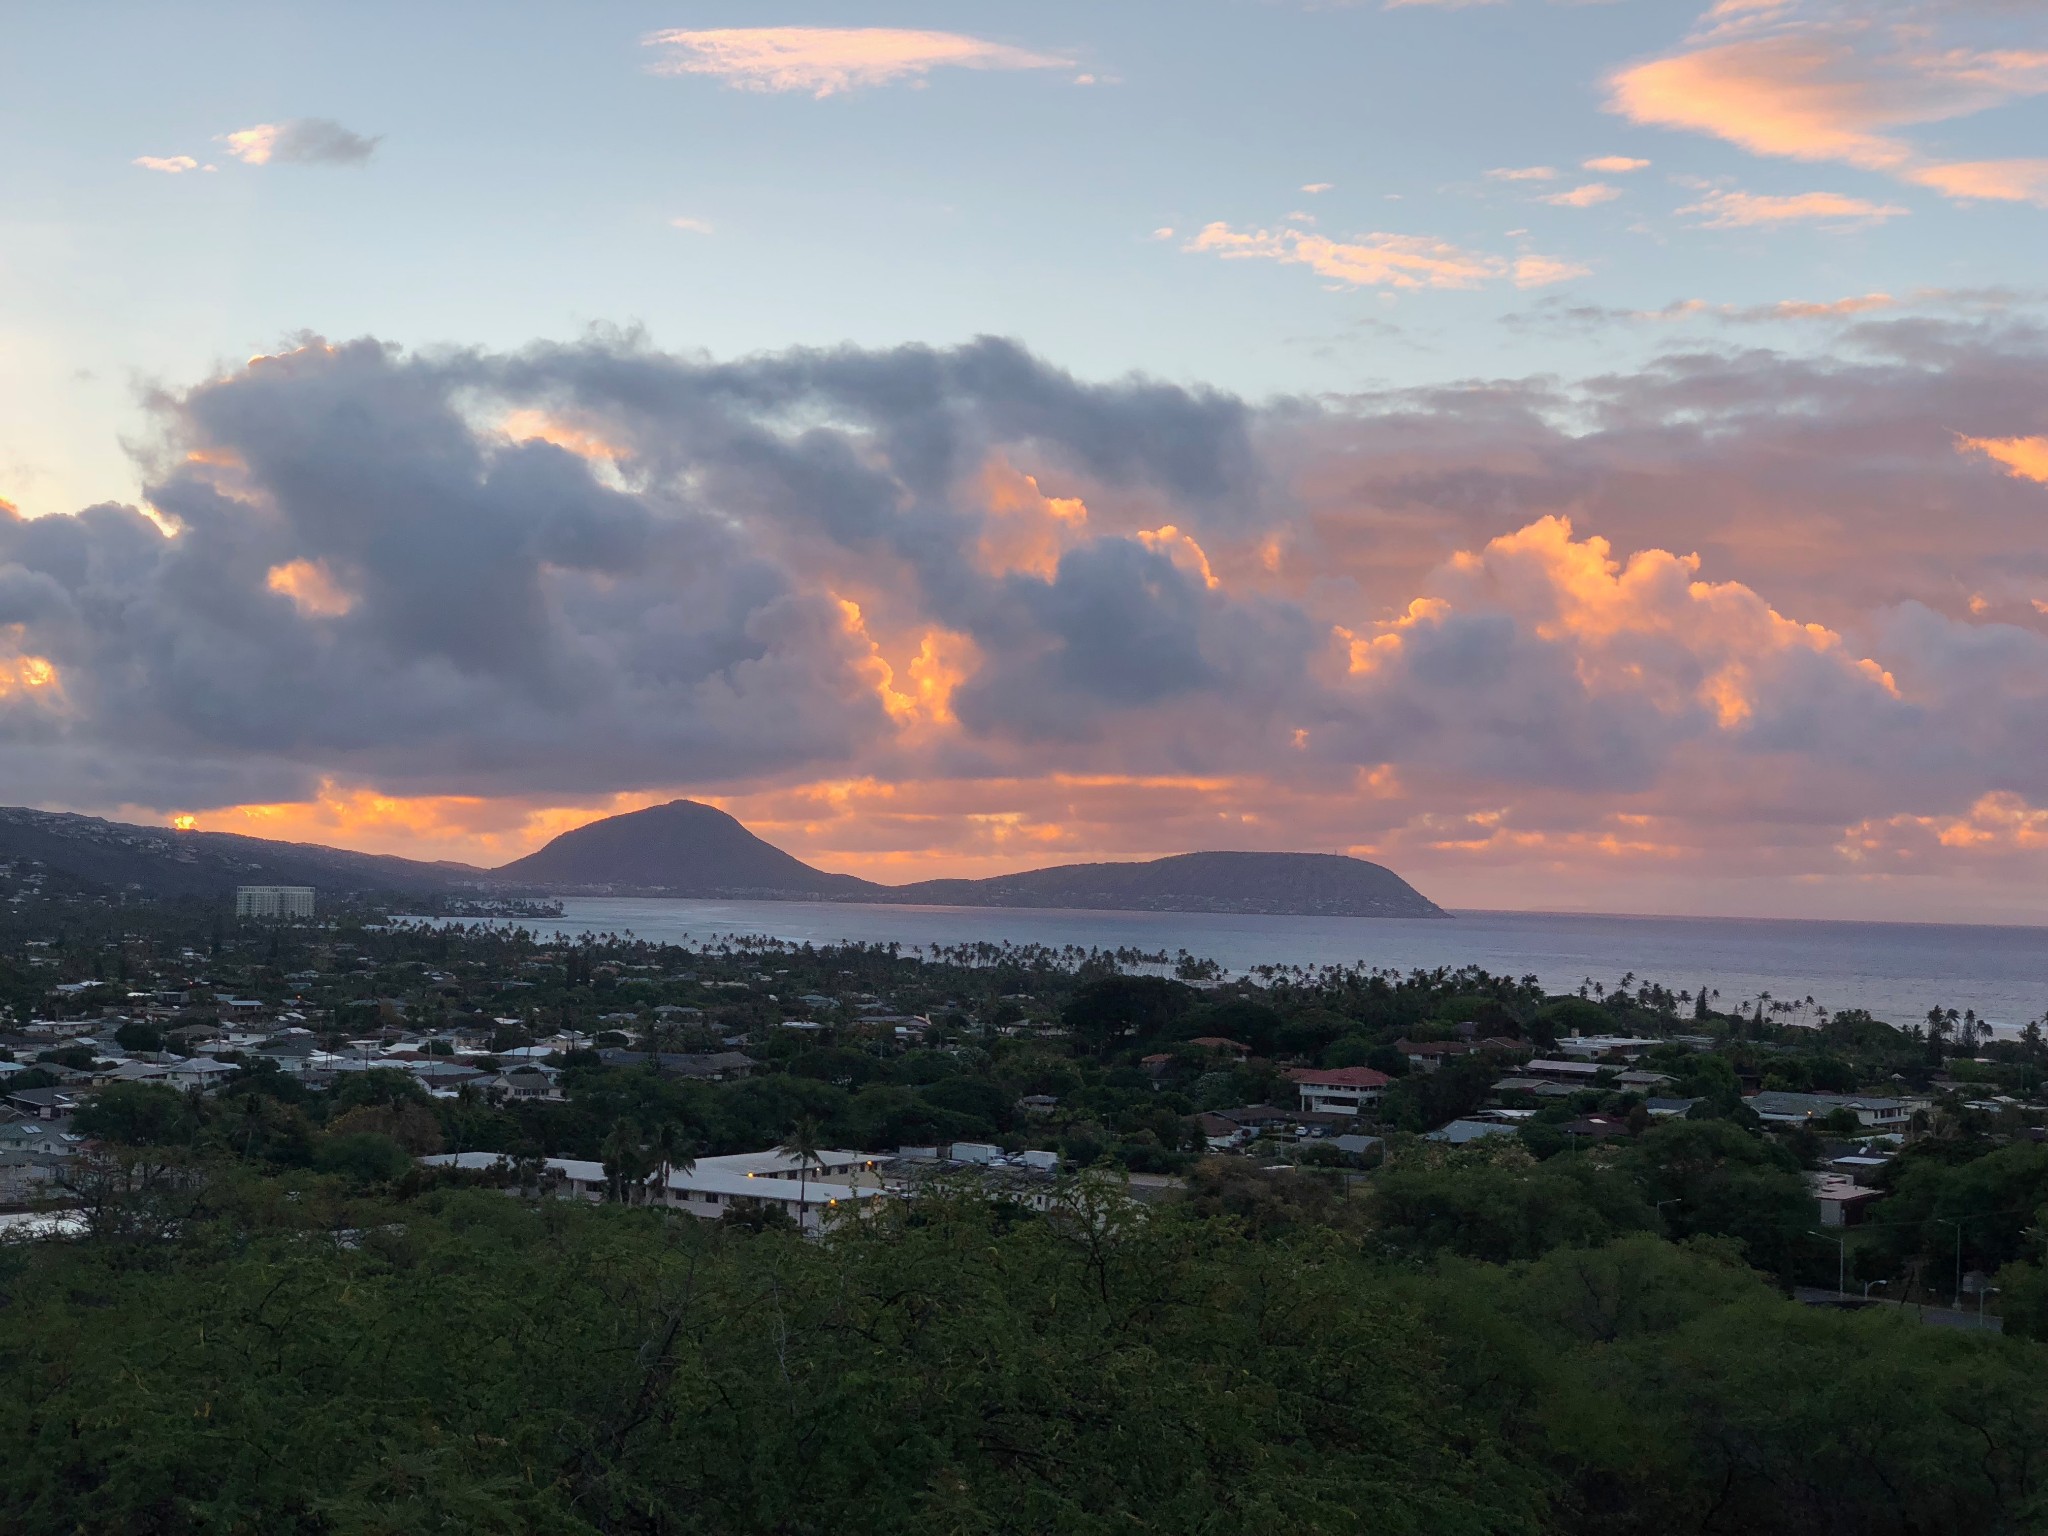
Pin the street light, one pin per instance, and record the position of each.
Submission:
(1869, 1283)
(1841, 1262)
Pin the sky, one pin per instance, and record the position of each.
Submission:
(1583, 456)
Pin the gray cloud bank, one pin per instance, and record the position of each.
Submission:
(577, 569)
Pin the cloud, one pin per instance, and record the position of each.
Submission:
(300, 141)
(1523, 173)
(2024, 458)
(1669, 635)
(1747, 210)
(1316, 188)
(691, 226)
(1803, 83)
(169, 165)
(828, 61)
(1378, 260)
(1542, 271)
(1999, 181)
(1613, 165)
(1806, 309)
(1372, 261)
(1590, 195)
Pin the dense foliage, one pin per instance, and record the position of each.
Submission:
(1259, 1358)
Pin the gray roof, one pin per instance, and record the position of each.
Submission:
(1458, 1132)
(1816, 1105)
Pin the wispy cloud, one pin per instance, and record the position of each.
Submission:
(300, 141)
(1316, 188)
(691, 226)
(1542, 271)
(1379, 259)
(1747, 210)
(169, 165)
(1810, 309)
(1782, 80)
(1613, 165)
(1369, 261)
(1523, 173)
(827, 61)
(1590, 195)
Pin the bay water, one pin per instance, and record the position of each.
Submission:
(1896, 970)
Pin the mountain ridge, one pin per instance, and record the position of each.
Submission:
(688, 849)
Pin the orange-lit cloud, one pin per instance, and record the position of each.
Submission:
(311, 589)
(2000, 825)
(27, 676)
(2024, 458)
(827, 61)
(1028, 530)
(1379, 260)
(1996, 181)
(1542, 271)
(1523, 173)
(169, 165)
(942, 662)
(1614, 165)
(1747, 210)
(1794, 82)
(1591, 195)
(528, 425)
(1182, 550)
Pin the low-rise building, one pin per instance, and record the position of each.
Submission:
(1872, 1112)
(1338, 1090)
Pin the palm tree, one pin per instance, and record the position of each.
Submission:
(802, 1144)
(625, 1161)
(673, 1153)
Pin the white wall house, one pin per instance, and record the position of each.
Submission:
(1338, 1090)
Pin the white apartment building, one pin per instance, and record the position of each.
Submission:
(273, 901)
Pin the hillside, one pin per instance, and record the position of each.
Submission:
(678, 849)
(1304, 884)
(690, 850)
(160, 862)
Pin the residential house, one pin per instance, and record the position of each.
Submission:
(1430, 1055)
(1843, 1202)
(45, 1103)
(524, 1085)
(28, 1176)
(1873, 1113)
(1338, 1090)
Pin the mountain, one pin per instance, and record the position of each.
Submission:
(160, 862)
(678, 849)
(1303, 884)
(687, 849)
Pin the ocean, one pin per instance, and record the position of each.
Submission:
(1896, 970)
